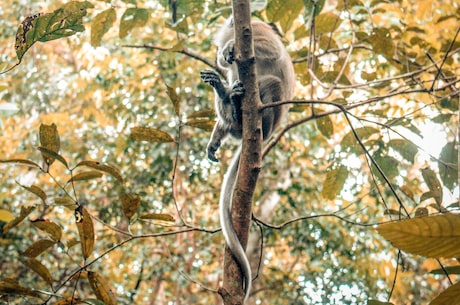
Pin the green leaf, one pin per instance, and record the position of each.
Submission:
(325, 126)
(101, 25)
(405, 148)
(63, 22)
(363, 133)
(313, 8)
(132, 18)
(448, 165)
(174, 99)
(278, 11)
(150, 135)
(429, 176)
(431, 236)
(335, 180)
(327, 22)
(387, 164)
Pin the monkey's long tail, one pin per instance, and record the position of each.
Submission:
(226, 222)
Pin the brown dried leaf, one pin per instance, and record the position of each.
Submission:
(158, 216)
(11, 286)
(49, 227)
(23, 214)
(49, 139)
(130, 204)
(86, 231)
(51, 155)
(21, 162)
(150, 135)
(39, 268)
(102, 167)
(101, 288)
(86, 176)
(36, 190)
(39, 247)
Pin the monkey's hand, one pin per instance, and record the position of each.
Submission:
(211, 77)
(211, 150)
(236, 96)
(228, 52)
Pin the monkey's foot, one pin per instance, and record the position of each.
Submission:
(211, 77)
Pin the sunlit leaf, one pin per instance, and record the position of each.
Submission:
(101, 289)
(63, 22)
(448, 165)
(150, 135)
(6, 215)
(335, 180)
(102, 167)
(157, 216)
(449, 296)
(327, 22)
(432, 236)
(101, 25)
(132, 18)
(39, 268)
(130, 204)
(49, 227)
(85, 230)
(39, 247)
(25, 211)
(407, 149)
(174, 98)
(430, 178)
(278, 11)
(325, 126)
(86, 176)
(11, 286)
(20, 162)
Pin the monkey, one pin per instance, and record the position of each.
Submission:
(276, 81)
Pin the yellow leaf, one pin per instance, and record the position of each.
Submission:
(38, 247)
(39, 268)
(449, 296)
(158, 216)
(49, 139)
(85, 176)
(431, 236)
(150, 135)
(49, 227)
(6, 215)
(23, 214)
(102, 167)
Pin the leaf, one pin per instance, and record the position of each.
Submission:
(448, 269)
(382, 42)
(205, 113)
(174, 98)
(49, 139)
(132, 18)
(11, 286)
(313, 8)
(102, 167)
(325, 126)
(51, 155)
(363, 133)
(405, 148)
(39, 268)
(101, 288)
(448, 165)
(36, 191)
(6, 215)
(286, 15)
(49, 227)
(387, 164)
(63, 22)
(39, 247)
(327, 22)
(431, 236)
(449, 296)
(203, 124)
(25, 211)
(429, 176)
(335, 179)
(85, 230)
(129, 203)
(407, 191)
(101, 25)
(86, 176)
(157, 216)
(20, 162)
(150, 135)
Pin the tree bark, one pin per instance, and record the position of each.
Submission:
(250, 160)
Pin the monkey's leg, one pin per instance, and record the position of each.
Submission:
(218, 134)
(236, 97)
